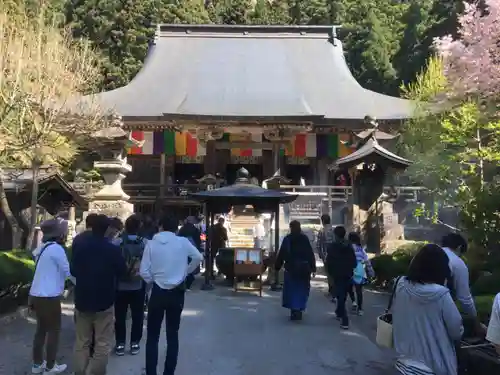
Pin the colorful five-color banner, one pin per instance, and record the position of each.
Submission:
(185, 144)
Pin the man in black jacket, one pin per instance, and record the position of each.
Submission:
(340, 264)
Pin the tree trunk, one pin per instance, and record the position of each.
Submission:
(9, 215)
(481, 158)
(30, 243)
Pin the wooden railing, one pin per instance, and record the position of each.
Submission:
(342, 193)
(156, 191)
(328, 193)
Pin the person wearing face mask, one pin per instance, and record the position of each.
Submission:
(51, 271)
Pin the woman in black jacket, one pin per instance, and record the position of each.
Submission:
(297, 256)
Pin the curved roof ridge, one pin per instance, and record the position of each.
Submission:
(227, 72)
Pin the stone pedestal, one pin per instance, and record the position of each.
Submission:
(120, 208)
(111, 200)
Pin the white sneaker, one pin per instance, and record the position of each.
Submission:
(38, 369)
(57, 369)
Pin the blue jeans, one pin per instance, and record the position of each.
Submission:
(342, 287)
(168, 304)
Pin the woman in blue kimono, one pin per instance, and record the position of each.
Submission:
(297, 257)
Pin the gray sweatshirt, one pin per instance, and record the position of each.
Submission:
(426, 325)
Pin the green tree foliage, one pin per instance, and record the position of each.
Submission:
(123, 29)
(310, 12)
(371, 42)
(414, 47)
(271, 13)
(456, 153)
(232, 12)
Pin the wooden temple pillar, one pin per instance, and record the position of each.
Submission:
(279, 160)
(210, 161)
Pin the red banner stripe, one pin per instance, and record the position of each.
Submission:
(138, 135)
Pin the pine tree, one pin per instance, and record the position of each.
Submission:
(122, 29)
(183, 11)
(270, 13)
(377, 70)
(414, 47)
(310, 12)
(371, 44)
(232, 12)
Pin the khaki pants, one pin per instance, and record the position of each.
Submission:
(48, 325)
(102, 323)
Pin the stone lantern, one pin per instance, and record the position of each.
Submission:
(369, 166)
(111, 200)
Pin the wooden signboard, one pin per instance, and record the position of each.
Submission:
(248, 262)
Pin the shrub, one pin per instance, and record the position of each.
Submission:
(386, 269)
(389, 266)
(484, 305)
(408, 249)
(486, 285)
(16, 273)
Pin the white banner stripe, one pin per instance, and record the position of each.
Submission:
(147, 147)
(201, 149)
(311, 145)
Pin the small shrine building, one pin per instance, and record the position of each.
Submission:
(213, 98)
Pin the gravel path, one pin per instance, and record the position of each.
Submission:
(224, 333)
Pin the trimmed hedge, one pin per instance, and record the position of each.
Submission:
(16, 273)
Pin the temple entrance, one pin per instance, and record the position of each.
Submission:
(186, 173)
(296, 172)
(255, 170)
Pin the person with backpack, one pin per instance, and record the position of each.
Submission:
(340, 265)
(362, 272)
(131, 289)
(297, 256)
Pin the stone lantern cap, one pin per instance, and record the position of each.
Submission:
(277, 178)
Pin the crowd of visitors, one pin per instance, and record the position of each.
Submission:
(113, 267)
(117, 266)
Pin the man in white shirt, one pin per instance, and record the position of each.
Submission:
(493, 334)
(165, 264)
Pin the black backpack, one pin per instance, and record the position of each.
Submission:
(132, 251)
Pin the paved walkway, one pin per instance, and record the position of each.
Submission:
(224, 333)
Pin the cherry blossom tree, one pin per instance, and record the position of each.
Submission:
(472, 62)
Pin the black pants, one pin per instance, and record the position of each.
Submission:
(358, 288)
(135, 300)
(342, 287)
(167, 303)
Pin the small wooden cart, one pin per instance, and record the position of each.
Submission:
(248, 262)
